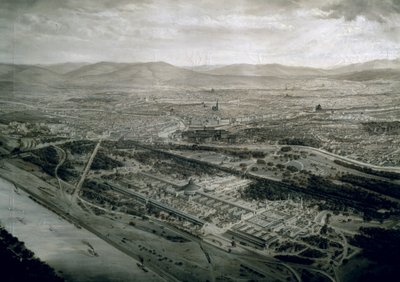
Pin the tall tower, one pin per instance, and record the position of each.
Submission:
(215, 108)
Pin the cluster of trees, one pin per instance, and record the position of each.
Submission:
(310, 142)
(292, 168)
(386, 174)
(295, 259)
(284, 135)
(380, 186)
(100, 198)
(145, 157)
(188, 167)
(379, 127)
(286, 149)
(289, 247)
(261, 162)
(313, 253)
(67, 172)
(262, 190)
(350, 194)
(91, 184)
(317, 241)
(48, 154)
(19, 264)
(102, 161)
(120, 144)
(47, 168)
(46, 159)
(79, 147)
(336, 196)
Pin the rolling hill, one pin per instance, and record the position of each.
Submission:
(295, 71)
(371, 65)
(64, 68)
(375, 74)
(28, 74)
(110, 74)
(155, 73)
(266, 70)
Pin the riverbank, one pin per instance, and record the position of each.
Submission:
(74, 253)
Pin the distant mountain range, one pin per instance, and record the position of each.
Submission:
(284, 71)
(371, 65)
(163, 74)
(64, 68)
(266, 70)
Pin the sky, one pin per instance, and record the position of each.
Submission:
(317, 33)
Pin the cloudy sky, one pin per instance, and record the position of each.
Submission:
(318, 33)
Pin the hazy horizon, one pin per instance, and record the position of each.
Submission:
(194, 66)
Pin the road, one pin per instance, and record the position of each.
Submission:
(86, 170)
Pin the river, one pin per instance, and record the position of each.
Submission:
(75, 253)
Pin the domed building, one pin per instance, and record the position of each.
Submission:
(191, 188)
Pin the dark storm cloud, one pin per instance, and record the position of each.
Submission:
(376, 10)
